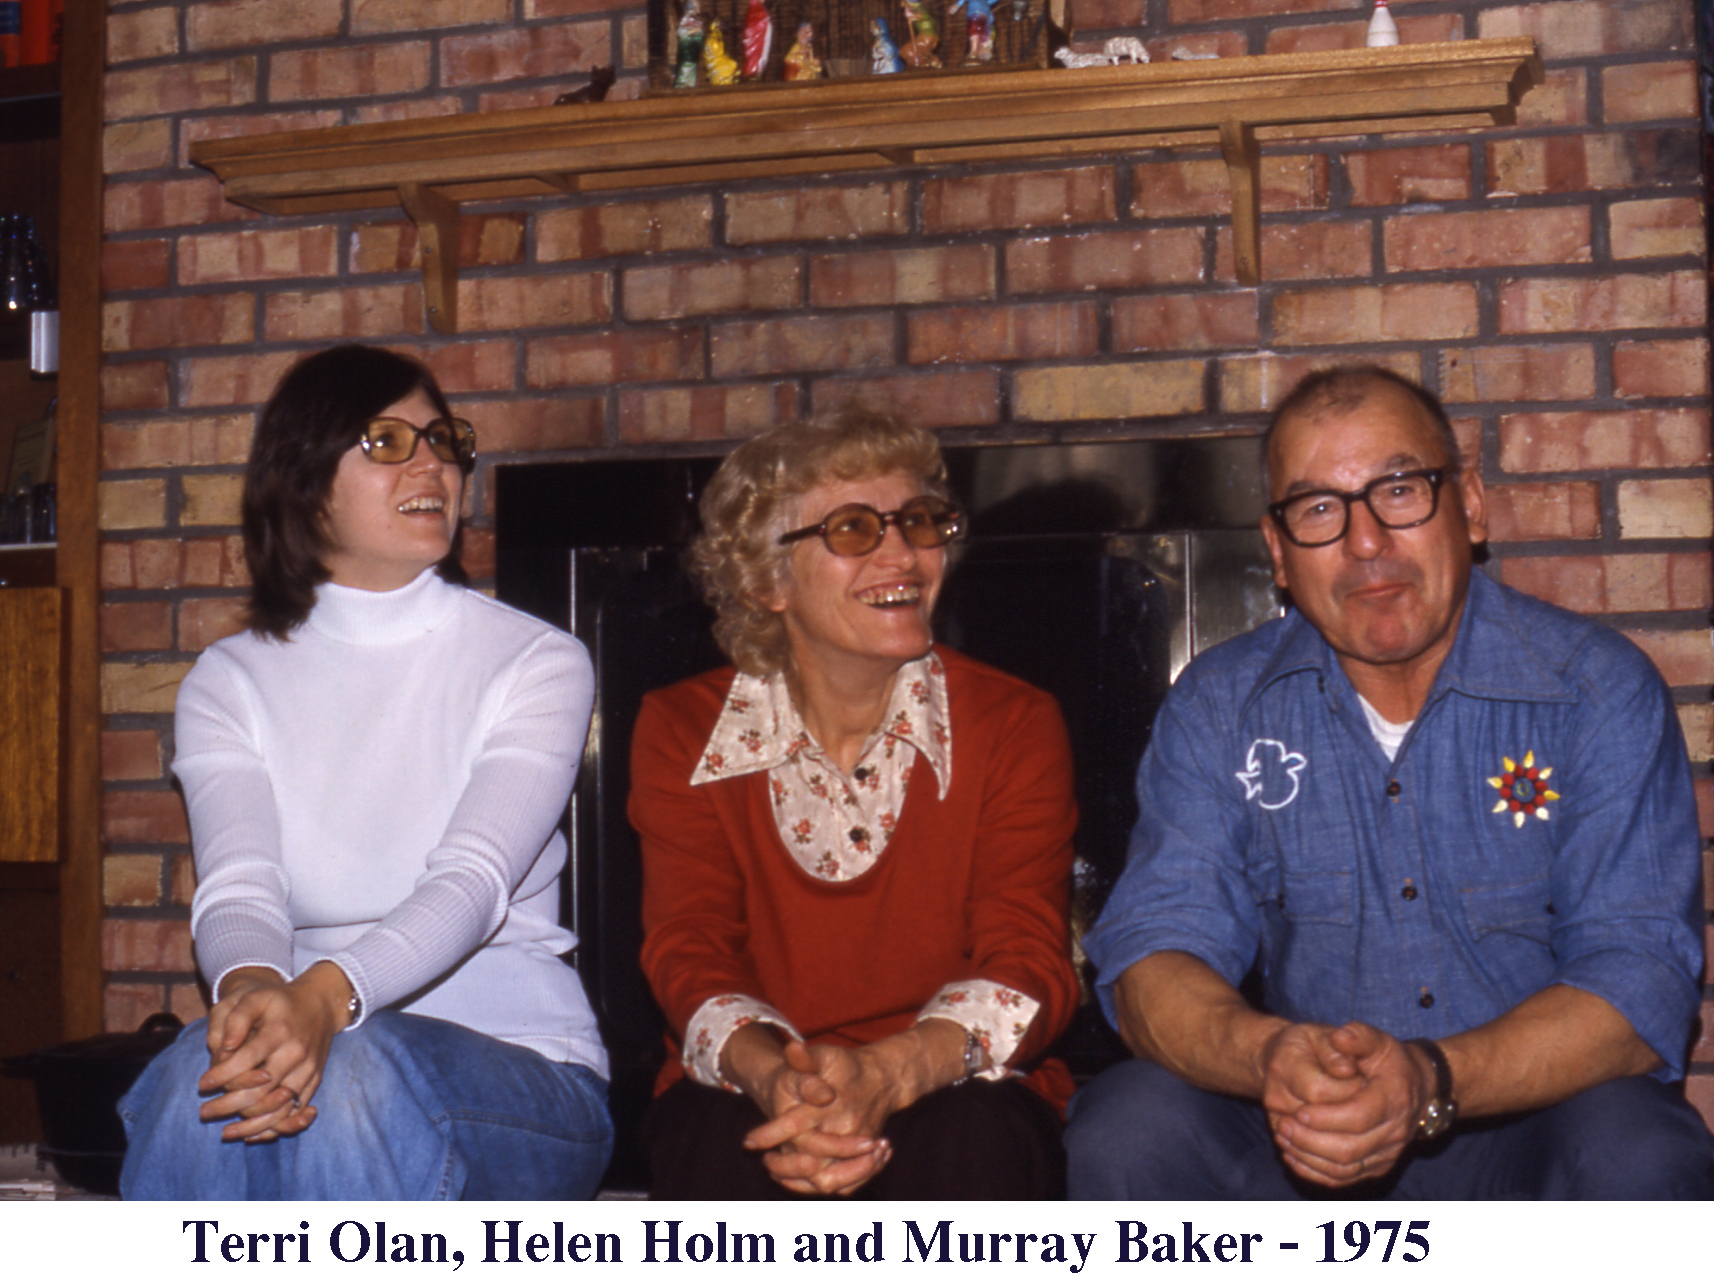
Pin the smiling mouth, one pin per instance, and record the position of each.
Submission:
(893, 596)
(425, 503)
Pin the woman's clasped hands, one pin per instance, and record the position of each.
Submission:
(268, 1041)
(828, 1104)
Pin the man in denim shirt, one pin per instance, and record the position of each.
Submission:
(1450, 827)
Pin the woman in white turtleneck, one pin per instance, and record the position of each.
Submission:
(374, 773)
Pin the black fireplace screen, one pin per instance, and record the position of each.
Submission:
(1093, 571)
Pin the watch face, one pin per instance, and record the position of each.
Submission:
(1436, 1118)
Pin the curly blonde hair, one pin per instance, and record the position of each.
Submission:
(752, 499)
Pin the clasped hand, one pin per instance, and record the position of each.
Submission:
(827, 1106)
(268, 1041)
(1343, 1102)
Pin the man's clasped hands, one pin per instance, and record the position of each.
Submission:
(1342, 1102)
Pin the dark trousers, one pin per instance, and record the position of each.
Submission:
(983, 1140)
(1139, 1133)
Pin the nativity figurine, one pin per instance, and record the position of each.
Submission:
(758, 39)
(979, 23)
(720, 67)
(690, 38)
(883, 52)
(921, 48)
(801, 62)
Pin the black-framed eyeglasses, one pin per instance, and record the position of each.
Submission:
(856, 529)
(1401, 500)
(393, 440)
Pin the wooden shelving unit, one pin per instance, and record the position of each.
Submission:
(429, 168)
(50, 121)
(27, 565)
(19, 84)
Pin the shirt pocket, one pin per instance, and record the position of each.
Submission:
(1309, 941)
(1318, 898)
(1499, 913)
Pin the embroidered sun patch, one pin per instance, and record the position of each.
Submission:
(1523, 789)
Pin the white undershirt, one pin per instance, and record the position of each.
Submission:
(1389, 734)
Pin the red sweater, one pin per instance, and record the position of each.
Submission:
(973, 886)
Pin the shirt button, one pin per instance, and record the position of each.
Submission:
(1426, 1000)
(858, 835)
(1393, 788)
(861, 773)
(1408, 894)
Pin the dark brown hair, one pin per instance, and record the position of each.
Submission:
(315, 415)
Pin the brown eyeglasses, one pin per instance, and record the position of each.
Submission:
(393, 440)
(856, 529)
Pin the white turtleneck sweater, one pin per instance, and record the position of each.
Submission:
(383, 790)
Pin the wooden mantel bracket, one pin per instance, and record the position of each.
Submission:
(437, 223)
(1243, 165)
(781, 132)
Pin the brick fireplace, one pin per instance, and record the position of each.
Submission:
(1548, 278)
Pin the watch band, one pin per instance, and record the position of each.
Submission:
(1442, 1109)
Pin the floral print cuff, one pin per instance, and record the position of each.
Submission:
(996, 1014)
(717, 1019)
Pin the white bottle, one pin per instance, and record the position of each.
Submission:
(1382, 29)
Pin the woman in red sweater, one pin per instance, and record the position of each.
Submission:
(856, 849)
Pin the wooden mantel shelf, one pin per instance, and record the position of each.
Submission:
(430, 167)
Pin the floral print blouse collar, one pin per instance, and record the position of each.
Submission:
(760, 729)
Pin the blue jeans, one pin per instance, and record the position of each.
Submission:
(1139, 1133)
(409, 1109)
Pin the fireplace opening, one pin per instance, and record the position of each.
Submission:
(1093, 570)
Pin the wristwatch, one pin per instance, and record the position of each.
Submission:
(1442, 1109)
(973, 1055)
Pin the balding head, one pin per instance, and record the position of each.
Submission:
(1334, 392)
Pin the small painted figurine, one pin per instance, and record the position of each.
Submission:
(979, 21)
(690, 37)
(883, 53)
(801, 62)
(758, 39)
(920, 50)
(720, 67)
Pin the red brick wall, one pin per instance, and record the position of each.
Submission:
(1549, 279)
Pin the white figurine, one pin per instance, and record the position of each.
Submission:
(1125, 49)
(1116, 50)
(1071, 58)
(1383, 30)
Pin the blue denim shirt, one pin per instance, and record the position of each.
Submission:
(1432, 893)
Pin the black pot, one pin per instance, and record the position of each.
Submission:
(78, 1088)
